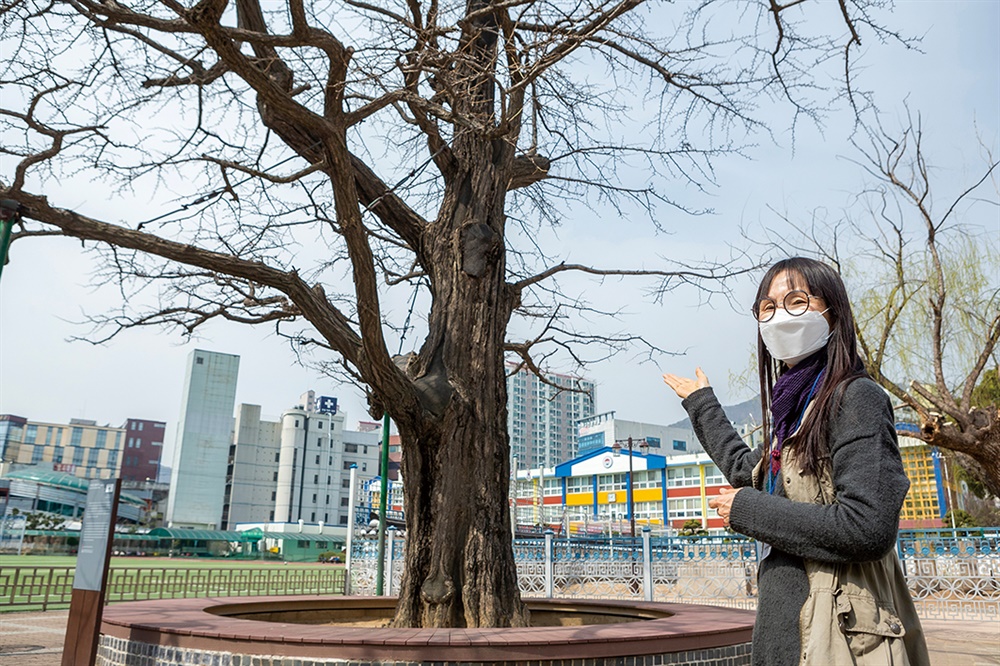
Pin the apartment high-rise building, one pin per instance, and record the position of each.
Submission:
(204, 434)
(542, 418)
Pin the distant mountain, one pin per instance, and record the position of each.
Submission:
(744, 412)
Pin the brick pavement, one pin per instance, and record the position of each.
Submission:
(36, 639)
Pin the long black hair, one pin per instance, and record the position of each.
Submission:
(843, 364)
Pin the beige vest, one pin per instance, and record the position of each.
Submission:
(859, 613)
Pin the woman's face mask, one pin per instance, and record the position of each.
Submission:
(791, 338)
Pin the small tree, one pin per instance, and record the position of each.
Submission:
(924, 277)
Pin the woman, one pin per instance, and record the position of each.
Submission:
(823, 492)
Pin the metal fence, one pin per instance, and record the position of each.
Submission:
(44, 588)
(950, 577)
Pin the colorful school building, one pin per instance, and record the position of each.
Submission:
(591, 494)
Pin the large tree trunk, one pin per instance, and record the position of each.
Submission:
(460, 568)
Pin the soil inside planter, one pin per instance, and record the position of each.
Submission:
(379, 617)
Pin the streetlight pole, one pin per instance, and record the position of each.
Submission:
(617, 450)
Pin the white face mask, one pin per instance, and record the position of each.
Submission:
(792, 338)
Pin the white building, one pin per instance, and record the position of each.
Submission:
(314, 462)
(541, 418)
(252, 474)
(604, 430)
(204, 433)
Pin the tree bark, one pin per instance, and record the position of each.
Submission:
(979, 440)
(460, 569)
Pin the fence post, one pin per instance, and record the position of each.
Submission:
(647, 565)
(390, 554)
(549, 565)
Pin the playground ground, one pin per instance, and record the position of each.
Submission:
(36, 638)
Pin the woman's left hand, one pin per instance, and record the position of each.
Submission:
(723, 504)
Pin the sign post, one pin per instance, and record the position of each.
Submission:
(91, 578)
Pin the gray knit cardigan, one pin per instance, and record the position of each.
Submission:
(861, 525)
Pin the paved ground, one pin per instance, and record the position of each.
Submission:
(36, 639)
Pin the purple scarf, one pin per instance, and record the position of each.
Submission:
(789, 398)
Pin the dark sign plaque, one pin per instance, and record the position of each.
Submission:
(97, 523)
(87, 603)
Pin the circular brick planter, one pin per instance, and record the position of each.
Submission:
(295, 631)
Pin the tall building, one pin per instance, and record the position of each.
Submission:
(297, 468)
(542, 419)
(252, 474)
(204, 433)
(140, 459)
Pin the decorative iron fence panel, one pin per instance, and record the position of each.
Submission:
(950, 577)
(44, 588)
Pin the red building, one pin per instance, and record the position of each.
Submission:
(143, 446)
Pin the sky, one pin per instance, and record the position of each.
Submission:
(953, 83)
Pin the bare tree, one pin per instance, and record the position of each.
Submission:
(924, 272)
(281, 126)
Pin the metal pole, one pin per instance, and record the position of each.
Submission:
(352, 523)
(8, 215)
(631, 503)
(382, 504)
(513, 504)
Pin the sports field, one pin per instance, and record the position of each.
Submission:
(153, 562)
(41, 582)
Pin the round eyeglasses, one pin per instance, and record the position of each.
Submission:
(795, 303)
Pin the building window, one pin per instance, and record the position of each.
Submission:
(30, 434)
(350, 448)
(274, 496)
(364, 467)
(312, 519)
(36, 455)
(102, 439)
(348, 463)
(713, 476)
(78, 456)
(684, 509)
(140, 426)
(317, 459)
(198, 360)
(344, 501)
(92, 457)
(345, 483)
(270, 517)
(76, 437)
(315, 478)
(277, 458)
(683, 476)
(314, 498)
(680, 445)
(611, 481)
(319, 425)
(343, 520)
(275, 478)
(327, 499)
